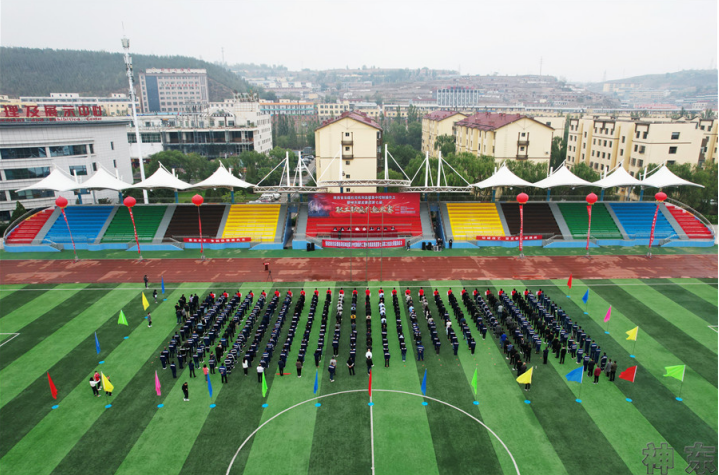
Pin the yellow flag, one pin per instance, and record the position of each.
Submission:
(526, 378)
(106, 384)
(633, 334)
(145, 303)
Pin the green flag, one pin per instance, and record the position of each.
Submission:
(264, 385)
(474, 381)
(122, 320)
(675, 371)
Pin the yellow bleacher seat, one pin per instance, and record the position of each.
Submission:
(469, 220)
(258, 222)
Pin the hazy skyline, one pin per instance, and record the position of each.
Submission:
(578, 40)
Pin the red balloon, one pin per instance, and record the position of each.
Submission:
(198, 200)
(61, 202)
(591, 198)
(522, 198)
(661, 196)
(129, 201)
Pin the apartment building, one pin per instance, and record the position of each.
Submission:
(169, 90)
(435, 124)
(604, 142)
(353, 140)
(505, 137)
(287, 107)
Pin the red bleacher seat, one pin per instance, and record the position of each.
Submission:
(28, 229)
(691, 226)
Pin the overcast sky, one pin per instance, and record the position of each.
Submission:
(580, 40)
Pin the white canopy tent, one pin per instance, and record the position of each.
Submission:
(663, 178)
(502, 177)
(561, 177)
(162, 179)
(618, 177)
(222, 178)
(102, 180)
(55, 181)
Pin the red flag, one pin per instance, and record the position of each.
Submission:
(569, 282)
(370, 383)
(629, 374)
(53, 389)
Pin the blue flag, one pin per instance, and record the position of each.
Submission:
(576, 375)
(97, 344)
(162, 280)
(209, 386)
(586, 296)
(424, 383)
(316, 373)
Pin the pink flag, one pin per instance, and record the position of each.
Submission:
(157, 384)
(609, 314)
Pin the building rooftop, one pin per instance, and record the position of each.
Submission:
(489, 121)
(440, 115)
(355, 115)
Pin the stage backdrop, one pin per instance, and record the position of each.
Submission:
(329, 205)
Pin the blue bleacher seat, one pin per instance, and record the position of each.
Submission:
(636, 218)
(85, 224)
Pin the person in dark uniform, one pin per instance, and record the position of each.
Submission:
(562, 354)
(186, 391)
(281, 366)
(146, 280)
(163, 359)
(369, 365)
(545, 354)
(351, 366)
(590, 367)
(191, 365)
(298, 365)
(318, 356)
(386, 358)
(173, 368)
(223, 373)
(332, 368)
(420, 352)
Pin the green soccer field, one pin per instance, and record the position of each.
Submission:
(51, 329)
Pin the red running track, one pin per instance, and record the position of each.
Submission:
(357, 269)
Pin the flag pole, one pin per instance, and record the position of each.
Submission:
(633, 348)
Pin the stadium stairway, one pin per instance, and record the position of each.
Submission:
(636, 219)
(469, 220)
(690, 224)
(184, 222)
(86, 223)
(27, 230)
(259, 222)
(538, 219)
(603, 225)
(147, 220)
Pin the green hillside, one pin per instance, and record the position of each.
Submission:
(38, 72)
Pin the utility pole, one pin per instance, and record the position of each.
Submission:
(138, 138)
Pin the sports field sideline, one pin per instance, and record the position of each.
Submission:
(51, 328)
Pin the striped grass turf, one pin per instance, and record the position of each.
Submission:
(681, 424)
(449, 426)
(66, 426)
(547, 388)
(296, 427)
(705, 292)
(15, 299)
(45, 320)
(104, 441)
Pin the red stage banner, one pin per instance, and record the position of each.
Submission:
(535, 237)
(329, 205)
(216, 240)
(363, 244)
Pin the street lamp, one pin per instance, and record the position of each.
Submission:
(522, 199)
(61, 202)
(130, 202)
(660, 197)
(197, 200)
(591, 199)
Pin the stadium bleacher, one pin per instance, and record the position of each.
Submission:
(86, 222)
(691, 226)
(636, 219)
(147, 220)
(184, 221)
(538, 219)
(469, 220)
(256, 221)
(26, 231)
(603, 225)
